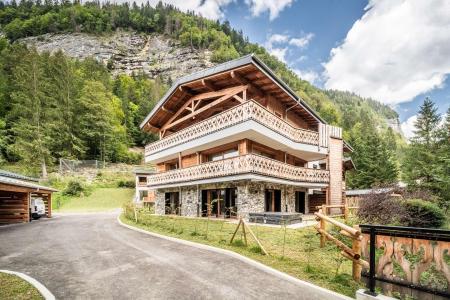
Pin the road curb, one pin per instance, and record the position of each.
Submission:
(320, 293)
(39, 286)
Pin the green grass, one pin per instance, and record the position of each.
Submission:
(303, 258)
(100, 199)
(13, 287)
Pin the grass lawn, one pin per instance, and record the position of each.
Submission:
(14, 287)
(302, 258)
(101, 199)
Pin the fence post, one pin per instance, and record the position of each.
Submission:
(323, 226)
(324, 209)
(356, 247)
(346, 212)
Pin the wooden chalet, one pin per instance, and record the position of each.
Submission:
(235, 139)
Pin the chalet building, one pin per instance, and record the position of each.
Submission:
(235, 139)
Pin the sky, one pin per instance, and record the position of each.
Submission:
(394, 51)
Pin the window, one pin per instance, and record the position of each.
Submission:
(223, 154)
(172, 166)
(142, 180)
(265, 154)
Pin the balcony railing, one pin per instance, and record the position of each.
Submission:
(249, 110)
(250, 163)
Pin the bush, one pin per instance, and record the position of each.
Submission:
(382, 208)
(73, 188)
(423, 214)
(126, 184)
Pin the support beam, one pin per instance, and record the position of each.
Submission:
(229, 93)
(209, 85)
(244, 81)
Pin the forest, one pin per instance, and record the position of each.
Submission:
(52, 106)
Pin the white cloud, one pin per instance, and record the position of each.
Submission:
(408, 127)
(398, 49)
(307, 75)
(279, 53)
(274, 7)
(301, 42)
(278, 44)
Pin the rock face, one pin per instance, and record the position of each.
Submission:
(395, 125)
(127, 52)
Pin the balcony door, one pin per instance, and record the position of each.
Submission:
(300, 202)
(219, 203)
(273, 200)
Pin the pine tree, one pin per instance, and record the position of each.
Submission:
(421, 163)
(427, 122)
(30, 106)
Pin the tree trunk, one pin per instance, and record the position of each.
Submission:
(44, 169)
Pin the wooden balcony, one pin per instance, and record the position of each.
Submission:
(245, 164)
(249, 110)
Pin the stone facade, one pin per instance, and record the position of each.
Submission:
(250, 197)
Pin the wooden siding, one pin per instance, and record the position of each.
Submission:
(14, 207)
(316, 200)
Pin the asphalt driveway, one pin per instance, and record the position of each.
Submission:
(91, 256)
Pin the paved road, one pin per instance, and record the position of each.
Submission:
(91, 256)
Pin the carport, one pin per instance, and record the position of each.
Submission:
(15, 195)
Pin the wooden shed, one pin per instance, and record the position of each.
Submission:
(16, 192)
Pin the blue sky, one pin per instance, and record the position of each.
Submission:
(395, 51)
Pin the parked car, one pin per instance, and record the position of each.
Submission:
(37, 208)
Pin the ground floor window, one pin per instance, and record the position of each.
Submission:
(172, 203)
(220, 203)
(273, 200)
(300, 202)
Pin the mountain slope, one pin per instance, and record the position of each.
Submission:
(159, 41)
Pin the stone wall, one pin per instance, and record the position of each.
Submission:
(250, 197)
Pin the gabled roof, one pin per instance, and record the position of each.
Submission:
(229, 66)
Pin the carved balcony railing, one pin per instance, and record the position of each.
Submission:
(249, 110)
(245, 164)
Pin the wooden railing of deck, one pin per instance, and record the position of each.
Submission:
(249, 110)
(250, 163)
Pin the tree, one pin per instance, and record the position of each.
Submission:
(30, 106)
(375, 162)
(427, 122)
(426, 162)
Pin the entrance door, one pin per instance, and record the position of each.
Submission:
(300, 202)
(273, 200)
(172, 203)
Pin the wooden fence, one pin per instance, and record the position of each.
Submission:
(346, 210)
(352, 253)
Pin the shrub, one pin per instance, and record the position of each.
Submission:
(73, 188)
(126, 184)
(423, 214)
(381, 208)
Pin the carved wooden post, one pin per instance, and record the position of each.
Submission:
(356, 247)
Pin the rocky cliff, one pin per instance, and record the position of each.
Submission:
(127, 52)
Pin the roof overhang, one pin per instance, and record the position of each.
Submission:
(227, 67)
(9, 184)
